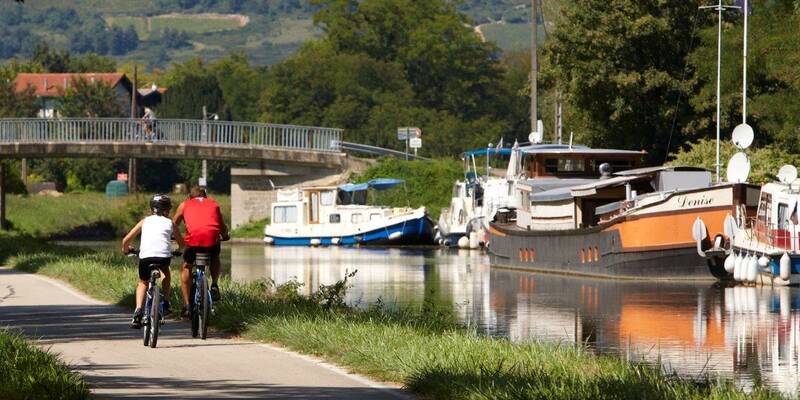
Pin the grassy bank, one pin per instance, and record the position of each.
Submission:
(84, 215)
(27, 372)
(423, 348)
(254, 229)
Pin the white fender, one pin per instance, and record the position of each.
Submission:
(335, 241)
(730, 262)
(763, 262)
(269, 240)
(729, 227)
(315, 242)
(395, 235)
(473, 240)
(737, 268)
(786, 267)
(699, 234)
(752, 269)
(463, 242)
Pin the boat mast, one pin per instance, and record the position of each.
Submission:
(719, 8)
(745, 11)
(534, 66)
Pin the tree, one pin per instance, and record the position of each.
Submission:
(620, 66)
(16, 105)
(186, 97)
(241, 85)
(90, 99)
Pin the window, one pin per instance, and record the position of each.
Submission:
(335, 218)
(616, 165)
(373, 217)
(553, 165)
(327, 198)
(764, 207)
(356, 218)
(284, 214)
(781, 222)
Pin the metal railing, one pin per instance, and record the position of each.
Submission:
(784, 236)
(199, 132)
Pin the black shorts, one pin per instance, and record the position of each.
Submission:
(145, 263)
(190, 253)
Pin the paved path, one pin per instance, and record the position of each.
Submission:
(95, 339)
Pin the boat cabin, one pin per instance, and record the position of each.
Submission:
(564, 161)
(776, 221)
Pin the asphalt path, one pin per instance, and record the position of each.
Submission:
(94, 338)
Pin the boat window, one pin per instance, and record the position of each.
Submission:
(356, 218)
(327, 198)
(335, 218)
(284, 214)
(616, 165)
(555, 165)
(353, 198)
(781, 222)
(764, 208)
(373, 217)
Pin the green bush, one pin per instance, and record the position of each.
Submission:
(764, 161)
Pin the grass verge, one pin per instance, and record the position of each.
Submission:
(424, 348)
(253, 229)
(27, 372)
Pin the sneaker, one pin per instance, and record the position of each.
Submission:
(185, 311)
(136, 322)
(167, 307)
(215, 292)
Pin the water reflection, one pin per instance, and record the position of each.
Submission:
(747, 333)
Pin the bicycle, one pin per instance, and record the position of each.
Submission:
(200, 301)
(153, 310)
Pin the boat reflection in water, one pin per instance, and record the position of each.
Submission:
(746, 333)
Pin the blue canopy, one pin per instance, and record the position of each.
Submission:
(377, 184)
(489, 151)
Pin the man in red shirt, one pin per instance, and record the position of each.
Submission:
(204, 230)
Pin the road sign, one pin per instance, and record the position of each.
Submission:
(415, 143)
(406, 133)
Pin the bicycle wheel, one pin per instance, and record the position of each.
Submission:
(155, 315)
(204, 309)
(146, 317)
(193, 307)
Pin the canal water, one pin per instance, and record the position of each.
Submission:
(745, 333)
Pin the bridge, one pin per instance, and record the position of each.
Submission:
(170, 138)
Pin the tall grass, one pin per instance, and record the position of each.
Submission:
(27, 372)
(423, 347)
(253, 229)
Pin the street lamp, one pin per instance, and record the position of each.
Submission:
(203, 181)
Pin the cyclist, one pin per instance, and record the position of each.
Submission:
(155, 247)
(204, 230)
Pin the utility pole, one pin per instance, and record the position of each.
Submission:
(558, 125)
(719, 8)
(534, 63)
(23, 171)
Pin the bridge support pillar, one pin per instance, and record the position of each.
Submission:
(254, 187)
(132, 175)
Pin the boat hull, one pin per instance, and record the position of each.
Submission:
(570, 253)
(418, 231)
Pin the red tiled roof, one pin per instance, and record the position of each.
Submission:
(50, 85)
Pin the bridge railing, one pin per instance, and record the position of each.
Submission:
(219, 133)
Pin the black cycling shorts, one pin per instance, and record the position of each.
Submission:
(145, 263)
(190, 253)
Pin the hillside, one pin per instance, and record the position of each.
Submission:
(159, 32)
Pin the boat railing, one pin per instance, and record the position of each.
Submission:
(783, 236)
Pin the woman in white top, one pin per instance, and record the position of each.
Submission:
(155, 248)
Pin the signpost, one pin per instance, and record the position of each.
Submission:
(412, 136)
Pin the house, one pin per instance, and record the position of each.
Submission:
(150, 96)
(50, 87)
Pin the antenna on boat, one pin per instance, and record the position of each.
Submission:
(743, 133)
(719, 8)
(534, 65)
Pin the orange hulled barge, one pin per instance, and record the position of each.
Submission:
(596, 212)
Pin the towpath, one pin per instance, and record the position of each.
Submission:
(94, 338)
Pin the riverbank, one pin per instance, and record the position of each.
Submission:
(27, 372)
(422, 348)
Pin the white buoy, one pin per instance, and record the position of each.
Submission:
(752, 269)
(730, 263)
(335, 241)
(473, 240)
(269, 240)
(395, 235)
(763, 262)
(786, 266)
(463, 242)
(315, 242)
(737, 267)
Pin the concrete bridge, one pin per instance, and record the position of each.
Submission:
(270, 154)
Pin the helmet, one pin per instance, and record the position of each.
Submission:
(160, 204)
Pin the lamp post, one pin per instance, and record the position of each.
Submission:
(203, 181)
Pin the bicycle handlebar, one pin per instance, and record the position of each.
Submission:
(132, 252)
